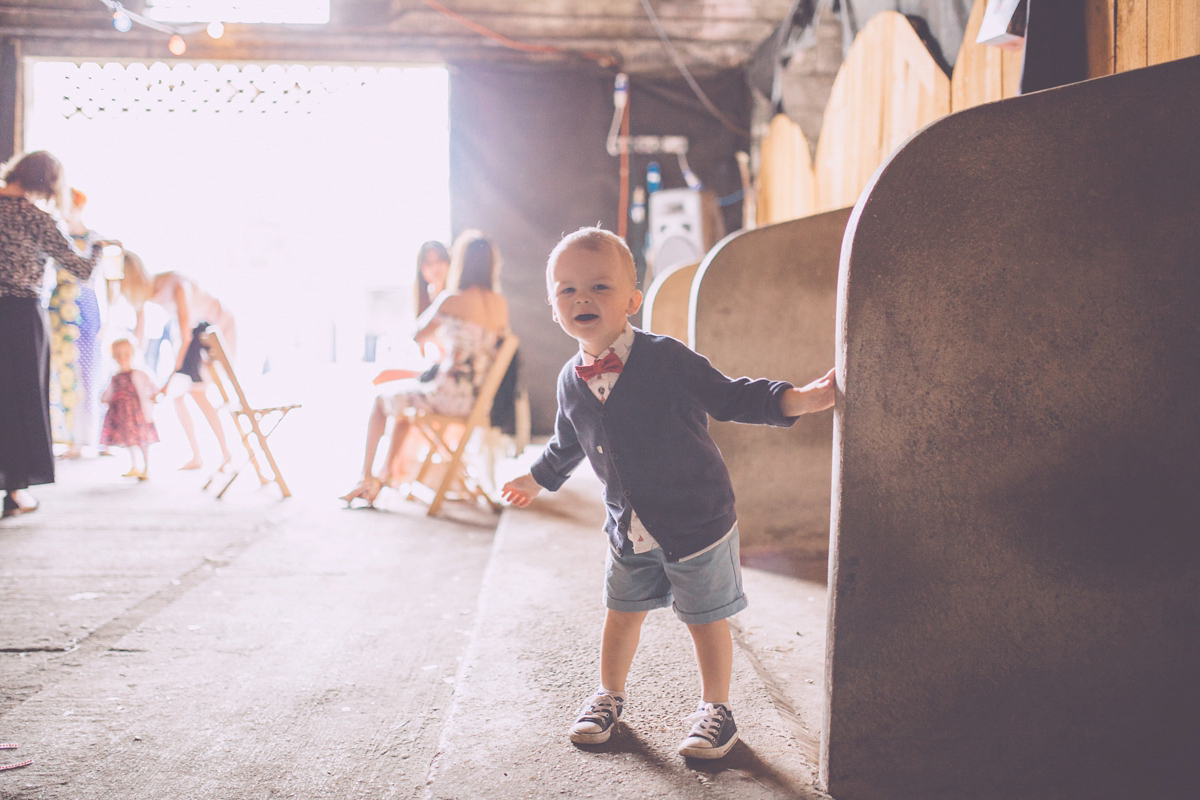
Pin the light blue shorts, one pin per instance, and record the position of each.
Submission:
(702, 589)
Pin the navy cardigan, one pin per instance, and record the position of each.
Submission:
(650, 443)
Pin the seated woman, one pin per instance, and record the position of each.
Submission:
(468, 323)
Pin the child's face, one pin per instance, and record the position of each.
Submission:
(592, 294)
(123, 355)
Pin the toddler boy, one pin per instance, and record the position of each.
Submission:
(637, 406)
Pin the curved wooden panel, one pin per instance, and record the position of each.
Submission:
(888, 88)
(668, 301)
(764, 305)
(1016, 557)
(786, 188)
(983, 74)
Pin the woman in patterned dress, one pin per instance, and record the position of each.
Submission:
(75, 324)
(28, 236)
(468, 324)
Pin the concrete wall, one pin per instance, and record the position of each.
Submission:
(763, 305)
(1015, 606)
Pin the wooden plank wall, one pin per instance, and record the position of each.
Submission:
(983, 74)
(889, 87)
(1130, 34)
(785, 189)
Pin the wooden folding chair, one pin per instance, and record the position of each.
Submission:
(258, 422)
(456, 478)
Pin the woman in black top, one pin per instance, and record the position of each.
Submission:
(28, 236)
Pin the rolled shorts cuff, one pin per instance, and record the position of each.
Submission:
(633, 606)
(724, 612)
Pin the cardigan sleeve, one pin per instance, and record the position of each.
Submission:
(562, 455)
(51, 241)
(756, 402)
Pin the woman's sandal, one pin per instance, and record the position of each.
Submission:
(368, 489)
(12, 508)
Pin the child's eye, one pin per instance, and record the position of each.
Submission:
(566, 290)
(599, 287)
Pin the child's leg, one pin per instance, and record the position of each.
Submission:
(714, 655)
(133, 465)
(145, 459)
(618, 643)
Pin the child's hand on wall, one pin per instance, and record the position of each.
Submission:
(811, 398)
(521, 491)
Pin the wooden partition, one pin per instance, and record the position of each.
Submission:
(763, 305)
(668, 302)
(888, 88)
(1014, 611)
(982, 73)
(786, 187)
(1130, 34)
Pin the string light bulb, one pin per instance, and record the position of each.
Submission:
(216, 29)
(177, 45)
(121, 20)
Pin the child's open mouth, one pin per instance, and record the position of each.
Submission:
(586, 317)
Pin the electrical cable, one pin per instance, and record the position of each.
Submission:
(512, 44)
(687, 75)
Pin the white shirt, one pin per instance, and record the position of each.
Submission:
(602, 386)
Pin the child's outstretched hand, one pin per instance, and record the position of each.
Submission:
(521, 491)
(811, 398)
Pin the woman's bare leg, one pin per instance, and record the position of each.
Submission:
(214, 421)
(189, 430)
(401, 454)
(376, 427)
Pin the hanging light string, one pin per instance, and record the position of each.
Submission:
(119, 10)
(687, 75)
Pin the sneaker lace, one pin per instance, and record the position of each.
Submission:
(601, 708)
(706, 721)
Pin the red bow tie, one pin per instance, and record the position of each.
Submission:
(610, 363)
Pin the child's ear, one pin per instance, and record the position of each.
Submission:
(635, 302)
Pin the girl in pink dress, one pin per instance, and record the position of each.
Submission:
(130, 419)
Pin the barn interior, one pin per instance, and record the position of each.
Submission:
(981, 212)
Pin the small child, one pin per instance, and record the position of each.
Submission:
(637, 406)
(129, 421)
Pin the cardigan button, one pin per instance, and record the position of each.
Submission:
(599, 449)
(627, 493)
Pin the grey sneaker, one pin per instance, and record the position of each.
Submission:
(713, 732)
(597, 718)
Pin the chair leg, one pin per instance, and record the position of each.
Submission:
(262, 442)
(452, 473)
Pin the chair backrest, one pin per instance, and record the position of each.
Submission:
(212, 340)
(481, 411)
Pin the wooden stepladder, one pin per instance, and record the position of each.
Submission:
(253, 424)
(445, 470)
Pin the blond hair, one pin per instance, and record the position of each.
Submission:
(595, 240)
(136, 283)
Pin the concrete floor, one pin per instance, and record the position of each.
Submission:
(157, 643)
